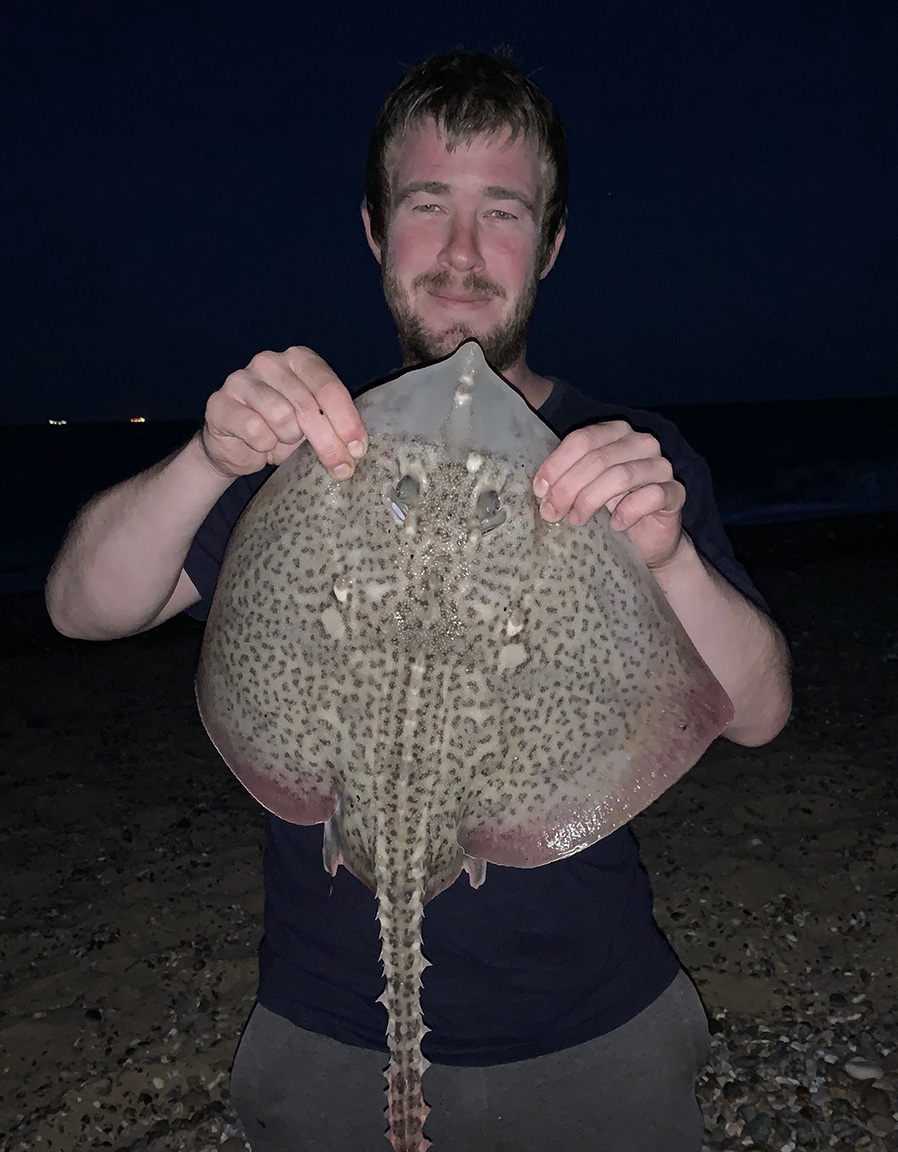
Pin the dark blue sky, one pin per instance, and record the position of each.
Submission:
(181, 184)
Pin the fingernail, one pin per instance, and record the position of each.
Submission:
(341, 472)
(356, 449)
(548, 511)
(540, 487)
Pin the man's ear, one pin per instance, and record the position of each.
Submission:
(372, 243)
(553, 255)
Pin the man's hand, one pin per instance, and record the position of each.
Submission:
(612, 466)
(266, 410)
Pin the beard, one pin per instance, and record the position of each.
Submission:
(502, 346)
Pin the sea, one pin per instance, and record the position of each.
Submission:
(771, 461)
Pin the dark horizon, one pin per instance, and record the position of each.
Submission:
(708, 411)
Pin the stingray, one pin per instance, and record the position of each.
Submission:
(419, 662)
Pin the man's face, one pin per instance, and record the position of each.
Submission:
(459, 258)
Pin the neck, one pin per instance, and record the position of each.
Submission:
(534, 388)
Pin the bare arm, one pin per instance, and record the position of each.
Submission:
(740, 644)
(120, 569)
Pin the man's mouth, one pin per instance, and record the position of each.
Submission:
(451, 298)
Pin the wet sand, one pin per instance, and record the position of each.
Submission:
(131, 876)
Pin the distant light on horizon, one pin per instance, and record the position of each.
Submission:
(138, 419)
(58, 421)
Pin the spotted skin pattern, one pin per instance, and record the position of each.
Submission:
(417, 660)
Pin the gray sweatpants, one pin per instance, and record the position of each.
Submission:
(632, 1090)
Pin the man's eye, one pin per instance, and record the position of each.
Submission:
(428, 209)
(501, 214)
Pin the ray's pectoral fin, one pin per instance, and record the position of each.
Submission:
(475, 866)
(332, 846)
(276, 779)
(546, 809)
(338, 848)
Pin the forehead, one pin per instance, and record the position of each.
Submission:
(421, 153)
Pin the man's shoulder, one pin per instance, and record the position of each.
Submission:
(568, 408)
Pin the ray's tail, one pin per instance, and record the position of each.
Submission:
(400, 892)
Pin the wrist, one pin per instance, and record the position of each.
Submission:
(197, 453)
(683, 558)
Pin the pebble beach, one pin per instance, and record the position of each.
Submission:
(131, 869)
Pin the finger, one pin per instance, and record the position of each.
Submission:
(561, 493)
(580, 499)
(617, 468)
(228, 416)
(268, 396)
(332, 396)
(574, 446)
(652, 500)
(280, 452)
(282, 389)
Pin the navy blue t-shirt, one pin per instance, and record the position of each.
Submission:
(534, 961)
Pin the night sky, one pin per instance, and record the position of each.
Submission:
(182, 178)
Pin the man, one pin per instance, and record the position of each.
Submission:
(559, 1014)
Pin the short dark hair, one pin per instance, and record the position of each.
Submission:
(469, 94)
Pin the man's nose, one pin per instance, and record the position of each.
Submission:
(462, 250)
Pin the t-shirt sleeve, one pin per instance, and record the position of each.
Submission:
(701, 516)
(206, 553)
